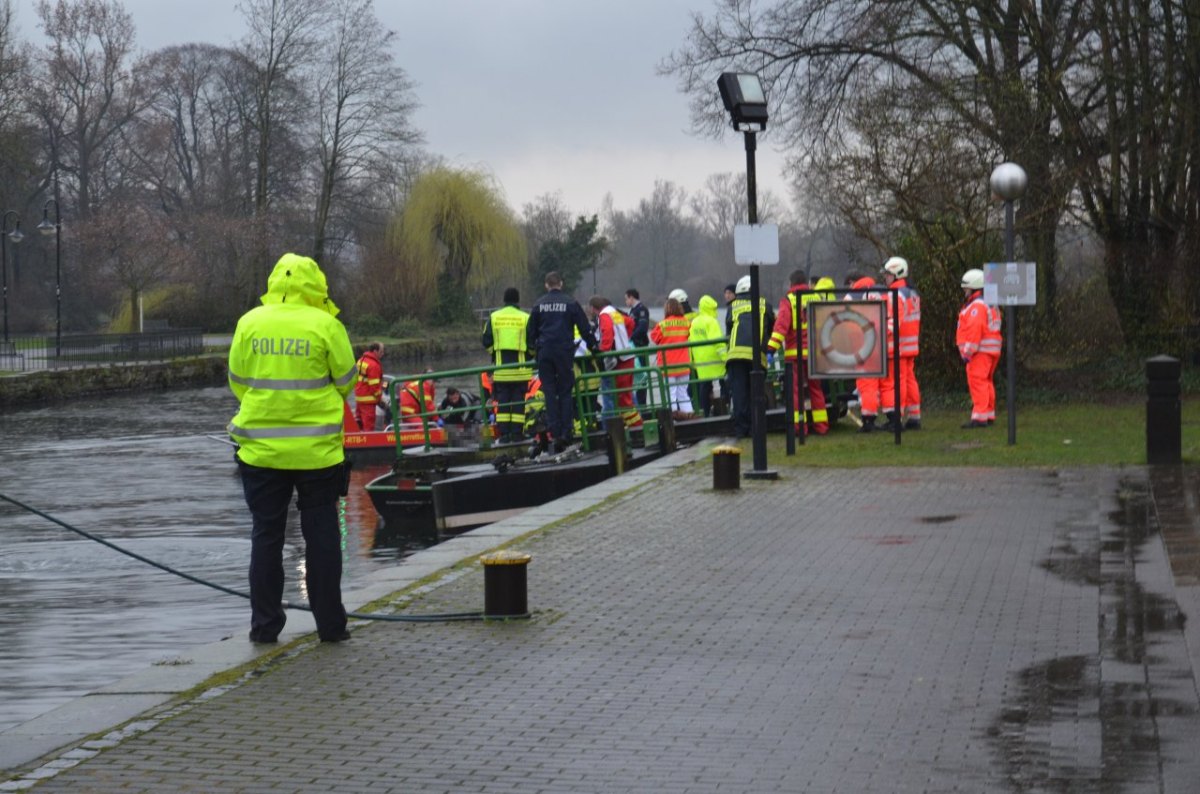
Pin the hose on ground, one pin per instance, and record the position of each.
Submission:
(431, 618)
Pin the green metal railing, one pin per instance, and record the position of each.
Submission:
(590, 386)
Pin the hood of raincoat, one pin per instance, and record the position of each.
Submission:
(299, 279)
(708, 305)
(823, 283)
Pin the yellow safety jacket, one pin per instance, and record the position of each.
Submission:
(506, 333)
(740, 337)
(291, 366)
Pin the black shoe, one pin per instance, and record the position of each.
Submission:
(560, 446)
(345, 635)
(868, 425)
(991, 422)
(974, 424)
(262, 639)
(912, 424)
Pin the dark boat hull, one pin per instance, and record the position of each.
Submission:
(474, 500)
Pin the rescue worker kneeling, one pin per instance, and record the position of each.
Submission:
(412, 406)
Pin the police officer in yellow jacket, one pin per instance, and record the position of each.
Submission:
(291, 367)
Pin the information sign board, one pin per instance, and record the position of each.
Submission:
(1010, 283)
(756, 244)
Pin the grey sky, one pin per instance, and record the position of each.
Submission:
(548, 95)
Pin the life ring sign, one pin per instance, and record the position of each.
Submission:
(847, 339)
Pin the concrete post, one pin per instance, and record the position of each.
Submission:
(1163, 412)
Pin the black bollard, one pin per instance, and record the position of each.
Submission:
(727, 468)
(504, 584)
(1163, 413)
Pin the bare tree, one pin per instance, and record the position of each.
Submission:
(283, 34)
(87, 92)
(656, 241)
(363, 105)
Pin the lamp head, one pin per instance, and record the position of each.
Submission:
(1008, 181)
(45, 227)
(744, 99)
(16, 236)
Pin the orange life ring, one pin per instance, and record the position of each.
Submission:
(838, 357)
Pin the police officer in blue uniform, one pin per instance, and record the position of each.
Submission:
(553, 321)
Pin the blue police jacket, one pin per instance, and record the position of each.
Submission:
(553, 321)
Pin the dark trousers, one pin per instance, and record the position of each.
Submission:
(510, 406)
(268, 494)
(704, 392)
(737, 371)
(557, 371)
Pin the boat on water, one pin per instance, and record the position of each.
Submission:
(459, 485)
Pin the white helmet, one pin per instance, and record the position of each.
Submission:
(973, 279)
(679, 295)
(897, 266)
(743, 285)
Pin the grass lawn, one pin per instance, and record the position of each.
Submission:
(1077, 434)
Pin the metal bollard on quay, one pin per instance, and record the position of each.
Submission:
(727, 468)
(505, 584)
(1163, 411)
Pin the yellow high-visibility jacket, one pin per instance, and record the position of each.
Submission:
(291, 366)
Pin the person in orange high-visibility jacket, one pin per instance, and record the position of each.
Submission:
(979, 341)
(615, 330)
(411, 404)
(674, 329)
(791, 333)
(872, 392)
(907, 333)
(368, 392)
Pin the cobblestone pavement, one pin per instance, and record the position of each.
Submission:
(883, 630)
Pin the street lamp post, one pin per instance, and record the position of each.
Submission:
(7, 236)
(746, 103)
(1008, 181)
(47, 228)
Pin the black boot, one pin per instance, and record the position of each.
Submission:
(868, 425)
(893, 423)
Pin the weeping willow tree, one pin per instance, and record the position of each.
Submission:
(456, 235)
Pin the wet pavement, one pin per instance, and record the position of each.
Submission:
(877, 630)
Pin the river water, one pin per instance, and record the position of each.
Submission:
(142, 472)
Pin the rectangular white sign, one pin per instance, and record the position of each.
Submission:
(1010, 283)
(756, 244)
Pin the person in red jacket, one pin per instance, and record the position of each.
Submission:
(674, 329)
(791, 333)
(979, 341)
(907, 333)
(615, 330)
(411, 404)
(872, 392)
(368, 391)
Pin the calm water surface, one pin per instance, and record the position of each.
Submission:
(140, 471)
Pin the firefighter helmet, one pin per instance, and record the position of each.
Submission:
(973, 279)
(743, 285)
